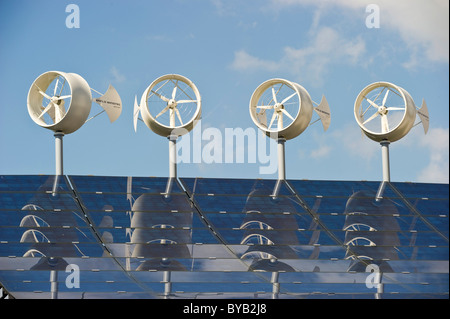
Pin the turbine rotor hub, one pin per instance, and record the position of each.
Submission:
(172, 103)
(382, 110)
(278, 107)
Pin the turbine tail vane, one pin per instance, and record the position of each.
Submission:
(111, 103)
(423, 115)
(136, 111)
(323, 110)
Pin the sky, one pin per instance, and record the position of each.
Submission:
(228, 48)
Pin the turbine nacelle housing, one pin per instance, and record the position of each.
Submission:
(387, 112)
(62, 102)
(67, 117)
(170, 106)
(284, 109)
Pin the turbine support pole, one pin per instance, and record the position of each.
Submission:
(54, 284)
(167, 284)
(59, 152)
(281, 166)
(173, 156)
(275, 285)
(281, 159)
(385, 160)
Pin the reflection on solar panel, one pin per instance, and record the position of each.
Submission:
(142, 237)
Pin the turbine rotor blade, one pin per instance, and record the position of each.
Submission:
(162, 97)
(179, 116)
(395, 108)
(272, 119)
(56, 86)
(287, 114)
(63, 97)
(274, 96)
(384, 123)
(46, 109)
(186, 101)
(385, 98)
(288, 98)
(371, 118)
(162, 112)
(174, 92)
(371, 102)
(58, 115)
(62, 86)
(43, 93)
(266, 107)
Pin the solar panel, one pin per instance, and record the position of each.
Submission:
(151, 237)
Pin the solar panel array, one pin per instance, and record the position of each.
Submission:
(149, 237)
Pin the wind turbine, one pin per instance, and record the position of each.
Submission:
(170, 107)
(283, 110)
(61, 102)
(385, 113)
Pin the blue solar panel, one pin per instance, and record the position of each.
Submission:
(231, 186)
(118, 184)
(149, 237)
(33, 183)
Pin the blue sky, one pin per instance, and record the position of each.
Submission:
(227, 48)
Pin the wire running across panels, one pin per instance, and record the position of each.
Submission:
(149, 237)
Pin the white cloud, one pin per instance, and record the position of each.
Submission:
(223, 8)
(328, 47)
(117, 76)
(310, 62)
(322, 145)
(422, 25)
(244, 62)
(349, 139)
(437, 143)
(357, 144)
(322, 151)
